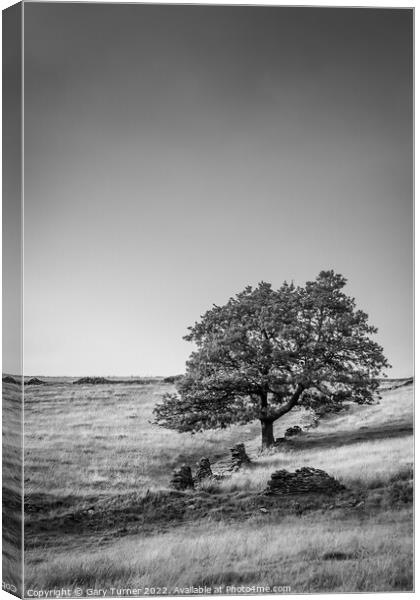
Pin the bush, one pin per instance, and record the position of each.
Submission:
(172, 378)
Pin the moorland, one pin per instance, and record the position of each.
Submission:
(99, 512)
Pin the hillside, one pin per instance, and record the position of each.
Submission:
(97, 481)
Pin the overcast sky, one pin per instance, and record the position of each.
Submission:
(176, 154)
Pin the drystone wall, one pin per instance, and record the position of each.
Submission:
(303, 481)
(203, 470)
(239, 457)
(182, 478)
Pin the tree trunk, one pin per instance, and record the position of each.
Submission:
(267, 437)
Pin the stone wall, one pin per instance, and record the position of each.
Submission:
(182, 478)
(303, 481)
(239, 457)
(203, 470)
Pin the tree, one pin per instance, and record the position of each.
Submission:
(266, 351)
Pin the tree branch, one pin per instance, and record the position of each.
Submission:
(294, 399)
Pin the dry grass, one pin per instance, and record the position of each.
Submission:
(363, 464)
(395, 406)
(87, 440)
(12, 484)
(97, 440)
(377, 557)
(366, 464)
(12, 436)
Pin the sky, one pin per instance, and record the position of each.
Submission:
(12, 190)
(176, 154)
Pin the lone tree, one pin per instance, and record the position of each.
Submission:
(266, 351)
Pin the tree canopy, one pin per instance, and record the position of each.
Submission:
(266, 351)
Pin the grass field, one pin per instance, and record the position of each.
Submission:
(289, 553)
(88, 439)
(98, 513)
(12, 469)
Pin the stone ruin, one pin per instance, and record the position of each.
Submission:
(303, 481)
(239, 457)
(203, 470)
(292, 431)
(182, 478)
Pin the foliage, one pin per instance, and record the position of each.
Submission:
(266, 350)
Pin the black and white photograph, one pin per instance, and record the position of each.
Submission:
(208, 375)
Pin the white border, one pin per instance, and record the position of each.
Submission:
(321, 3)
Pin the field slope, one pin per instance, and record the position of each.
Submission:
(99, 512)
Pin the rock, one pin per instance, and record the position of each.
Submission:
(203, 470)
(337, 556)
(9, 379)
(291, 431)
(303, 481)
(92, 381)
(281, 440)
(35, 381)
(239, 457)
(182, 478)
